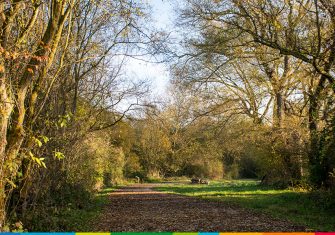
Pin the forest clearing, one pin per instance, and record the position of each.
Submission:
(99, 94)
(234, 205)
(141, 208)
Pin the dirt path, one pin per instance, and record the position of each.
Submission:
(140, 208)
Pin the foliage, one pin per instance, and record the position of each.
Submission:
(61, 86)
(69, 217)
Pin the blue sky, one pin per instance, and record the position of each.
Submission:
(163, 17)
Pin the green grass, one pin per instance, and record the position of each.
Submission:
(166, 180)
(316, 210)
(75, 216)
(82, 219)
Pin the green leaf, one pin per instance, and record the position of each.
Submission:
(59, 155)
(45, 138)
(11, 183)
(38, 160)
(19, 174)
(63, 123)
(38, 142)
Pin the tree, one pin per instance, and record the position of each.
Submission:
(37, 55)
(61, 75)
(293, 29)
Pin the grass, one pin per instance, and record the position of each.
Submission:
(71, 217)
(81, 219)
(315, 210)
(181, 179)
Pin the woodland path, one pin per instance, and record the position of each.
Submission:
(142, 209)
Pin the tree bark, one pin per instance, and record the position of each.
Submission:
(6, 107)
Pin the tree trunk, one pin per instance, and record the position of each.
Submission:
(317, 175)
(278, 110)
(6, 108)
(75, 96)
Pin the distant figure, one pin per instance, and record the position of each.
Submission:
(138, 179)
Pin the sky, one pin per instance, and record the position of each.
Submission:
(156, 73)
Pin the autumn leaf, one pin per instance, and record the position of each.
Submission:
(7, 55)
(30, 70)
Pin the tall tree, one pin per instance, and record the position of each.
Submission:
(302, 30)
